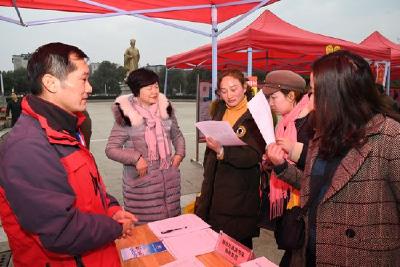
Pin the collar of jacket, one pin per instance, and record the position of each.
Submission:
(351, 163)
(220, 111)
(123, 107)
(60, 126)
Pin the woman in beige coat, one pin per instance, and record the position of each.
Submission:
(355, 219)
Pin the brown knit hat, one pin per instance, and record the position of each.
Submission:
(283, 79)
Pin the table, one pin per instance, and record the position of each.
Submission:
(143, 235)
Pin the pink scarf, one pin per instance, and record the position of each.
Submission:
(155, 135)
(286, 128)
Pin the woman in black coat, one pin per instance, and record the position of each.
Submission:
(230, 198)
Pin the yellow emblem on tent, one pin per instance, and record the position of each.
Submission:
(331, 48)
(328, 49)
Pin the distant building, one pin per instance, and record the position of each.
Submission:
(93, 67)
(156, 68)
(20, 61)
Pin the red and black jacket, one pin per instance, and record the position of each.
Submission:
(53, 202)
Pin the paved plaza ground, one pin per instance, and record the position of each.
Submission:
(191, 172)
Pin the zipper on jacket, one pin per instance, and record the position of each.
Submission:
(97, 189)
(78, 260)
(165, 191)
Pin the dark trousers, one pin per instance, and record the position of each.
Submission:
(248, 242)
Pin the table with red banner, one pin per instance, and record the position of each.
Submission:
(143, 235)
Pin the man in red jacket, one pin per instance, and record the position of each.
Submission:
(53, 203)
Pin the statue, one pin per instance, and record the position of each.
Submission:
(131, 58)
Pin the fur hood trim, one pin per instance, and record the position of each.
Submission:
(123, 107)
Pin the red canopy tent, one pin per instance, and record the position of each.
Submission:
(276, 44)
(187, 10)
(203, 11)
(377, 40)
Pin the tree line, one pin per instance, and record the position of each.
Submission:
(108, 78)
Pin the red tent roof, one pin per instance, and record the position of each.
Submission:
(377, 40)
(276, 44)
(202, 15)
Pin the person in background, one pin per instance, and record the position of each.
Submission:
(352, 167)
(53, 203)
(286, 92)
(144, 131)
(13, 107)
(229, 199)
(387, 99)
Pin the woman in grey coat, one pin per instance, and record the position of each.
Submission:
(144, 132)
(354, 220)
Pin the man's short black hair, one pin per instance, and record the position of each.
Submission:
(54, 59)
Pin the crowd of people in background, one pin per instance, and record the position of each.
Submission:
(336, 159)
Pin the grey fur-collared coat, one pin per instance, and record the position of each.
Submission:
(155, 196)
(358, 219)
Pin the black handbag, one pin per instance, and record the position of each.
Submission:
(290, 229)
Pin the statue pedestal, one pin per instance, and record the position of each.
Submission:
(125, 90)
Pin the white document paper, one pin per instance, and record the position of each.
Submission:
(220, 131)
(191, 261)
(259, 262)
(191, 244)
(176, 226)
(261, 112)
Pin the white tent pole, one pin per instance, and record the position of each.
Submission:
(175, 25)
(11, 20)
(263, 2)
(1, 83)
(18, 13)
(132, 12)
(164, 22)
(214, 35)
(166, 81)
(388, 79)
(249, 61)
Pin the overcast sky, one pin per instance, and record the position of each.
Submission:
(107, 38)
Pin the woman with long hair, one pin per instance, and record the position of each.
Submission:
(229, 199)
(352, 171)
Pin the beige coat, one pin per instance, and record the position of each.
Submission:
(358, 220)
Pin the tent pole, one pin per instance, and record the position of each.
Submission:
(19, 14)
(166, 81)
(164, 22)
(243, 16)
(388, 79)
(1, 83)
(196, 159)
(3, 18)
(249, 61)
(214, 35)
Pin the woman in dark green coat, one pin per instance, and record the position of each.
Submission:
(230, 199)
